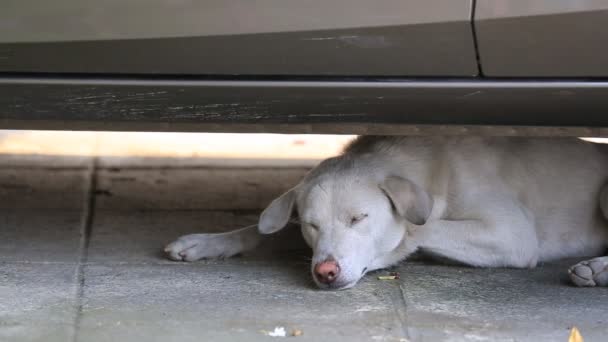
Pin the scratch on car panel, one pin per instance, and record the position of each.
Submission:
(473, 93)
(91, 97)
(366, 41)
(330, 38)
(151, 93)
(335, 114)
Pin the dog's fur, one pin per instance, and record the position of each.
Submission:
(487, 202)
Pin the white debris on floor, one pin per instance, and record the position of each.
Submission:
(278, 332)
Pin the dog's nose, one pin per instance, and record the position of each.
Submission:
(327, 271)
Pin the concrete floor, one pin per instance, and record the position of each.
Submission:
(80, 260)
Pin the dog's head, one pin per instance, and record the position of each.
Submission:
(354, 219)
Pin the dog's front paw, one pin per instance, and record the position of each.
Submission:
(200, 246)
(592, 272)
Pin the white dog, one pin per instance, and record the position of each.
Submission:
(486, 202)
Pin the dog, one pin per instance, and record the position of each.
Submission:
(479, 201)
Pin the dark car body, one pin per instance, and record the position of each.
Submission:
(503, 67)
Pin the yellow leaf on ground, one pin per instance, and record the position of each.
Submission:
(575, 335)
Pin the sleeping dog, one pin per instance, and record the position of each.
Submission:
(484, 202)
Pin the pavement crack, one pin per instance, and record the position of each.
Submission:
(87, 219)
(397, 294)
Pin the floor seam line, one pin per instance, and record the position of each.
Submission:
(402, 311)
(85, 239)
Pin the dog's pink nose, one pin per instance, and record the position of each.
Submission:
(327, 271)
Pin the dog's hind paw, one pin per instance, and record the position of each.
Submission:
(592, 272)
(201, 246)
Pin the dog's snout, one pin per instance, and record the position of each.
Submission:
(327, 271)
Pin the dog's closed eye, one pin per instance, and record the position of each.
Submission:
(356, 219)
(313, 226)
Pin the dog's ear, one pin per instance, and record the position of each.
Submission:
(277, 214)
(409, 200)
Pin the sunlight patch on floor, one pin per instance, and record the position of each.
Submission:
(179, 145)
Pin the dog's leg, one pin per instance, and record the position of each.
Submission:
(479, 243)
(200, 246)
(593, 272)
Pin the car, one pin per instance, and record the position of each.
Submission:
(495, 67)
